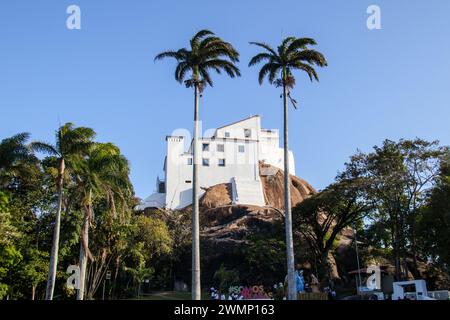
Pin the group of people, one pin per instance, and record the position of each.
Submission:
(280, 290)
(302, 285)
(216, 295)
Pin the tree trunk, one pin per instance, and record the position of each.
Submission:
(416, 271)
(325, 270)
(196, 288)
(55, 245)
(116, 274)
(395, 245)
(83, 253)
(292, 294)
(33, 292)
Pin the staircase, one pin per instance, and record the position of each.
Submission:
(248, 192)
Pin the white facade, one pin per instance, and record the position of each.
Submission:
(231, 155)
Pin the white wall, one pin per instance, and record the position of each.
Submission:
(179, 172)
(262, 145)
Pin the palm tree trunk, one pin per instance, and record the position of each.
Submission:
(292, 294)
(196, 288)
(55, 245)
(83, 253)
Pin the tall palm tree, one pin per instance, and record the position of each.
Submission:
(292, 54)
(103, 173)
(71, 143)
(207, 52)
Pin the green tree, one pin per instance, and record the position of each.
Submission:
(207, 52)
(103, 173)
(7, 231)
(292, 54)
(149, 239)
(226, 278)
(71, 144)
(15, 156)
(434, 222)
(323, 216)
(9, 259)
(264, 258)
(403, 173)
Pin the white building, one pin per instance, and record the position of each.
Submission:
(231, 155)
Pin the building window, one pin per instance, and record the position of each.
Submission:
(188, 181)
(220, 148)
(227, 134)
(189, 161)
(241, 148)
(221, 162)
(248, 133)
(205, 147)
(205, 162)
(161, 187)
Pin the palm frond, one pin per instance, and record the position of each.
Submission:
(199, 36)
(310, 56)
(301, 44)
(44, 147)
(293, 53)
(219, 51)
(208, 52)
(17, 139)
(268, 68)
(181, 70)
(310, 71)
(206, 77)
(282, 49)
(273, 73)
(261, 57)
(266, 47)
(218, 64)
(167, 54)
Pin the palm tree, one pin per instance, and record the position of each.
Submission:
(14, 153)
(103, 173)
(292, 54)
(207, 52)
(71, 143)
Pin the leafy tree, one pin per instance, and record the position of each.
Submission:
(323, 216)
(403, 172)
(102, 174)
(434, 222)
(154, 234)
(292, 54)
(226, 278)
(7, 231)
(15, 155)
(149, 238)
(264, 259)
(207, 53)
(9, 258)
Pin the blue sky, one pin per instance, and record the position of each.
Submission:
(390, 83)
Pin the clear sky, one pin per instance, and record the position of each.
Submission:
(389, 83)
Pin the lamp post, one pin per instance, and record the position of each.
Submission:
(359, 283)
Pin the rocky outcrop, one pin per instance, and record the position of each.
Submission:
(273, 187)
(226, 223)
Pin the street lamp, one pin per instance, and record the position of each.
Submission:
(359, 284)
